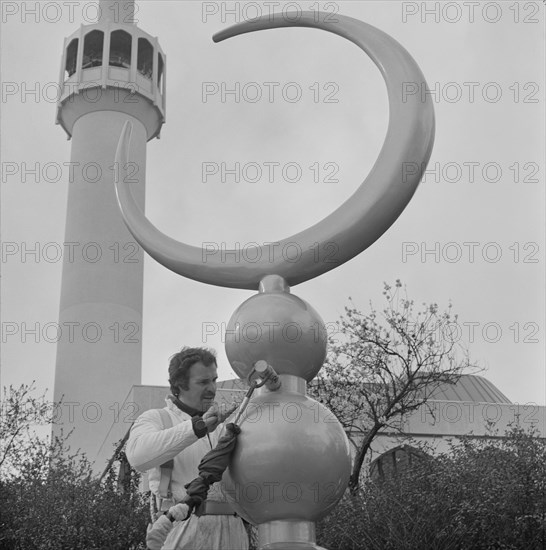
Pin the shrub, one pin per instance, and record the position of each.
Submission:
(483, 494)
(50, 499)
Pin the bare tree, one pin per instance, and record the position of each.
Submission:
(386, 365)
(20, 414)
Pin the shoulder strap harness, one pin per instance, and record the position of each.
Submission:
(165, 493)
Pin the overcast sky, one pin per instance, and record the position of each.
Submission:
(484, 61)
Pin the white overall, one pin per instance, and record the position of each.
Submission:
(150, 445)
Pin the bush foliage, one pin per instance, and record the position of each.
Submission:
(486, 493)
(483, 494)
(49, 497)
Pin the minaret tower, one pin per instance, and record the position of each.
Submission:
(111, 72)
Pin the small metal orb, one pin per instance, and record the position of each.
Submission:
(277, 327)
(292, 460)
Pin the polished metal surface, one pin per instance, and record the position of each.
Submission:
(292, 460)
(287, 535)
(279, 328)
(358, 222)
(293, 531)
(289, 384)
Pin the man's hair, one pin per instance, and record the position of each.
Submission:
(181, 362)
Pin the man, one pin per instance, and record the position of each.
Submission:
(194, 416)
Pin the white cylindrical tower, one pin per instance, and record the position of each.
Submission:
(111, 72)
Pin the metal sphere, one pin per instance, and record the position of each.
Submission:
(277, 327)
(292, 460)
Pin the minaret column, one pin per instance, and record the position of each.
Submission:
(111, 72)
(117, 11)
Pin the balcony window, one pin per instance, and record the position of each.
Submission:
(71, 57)
(92, 49)
(120, 49)
(160, 65)
(145, 58)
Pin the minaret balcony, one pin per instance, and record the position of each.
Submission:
(117, 57)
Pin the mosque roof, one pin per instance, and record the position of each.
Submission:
(472, 388)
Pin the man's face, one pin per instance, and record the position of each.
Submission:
(201, 387)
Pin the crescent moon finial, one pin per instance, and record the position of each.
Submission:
(359, 221)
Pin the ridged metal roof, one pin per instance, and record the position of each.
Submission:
(470, 388)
